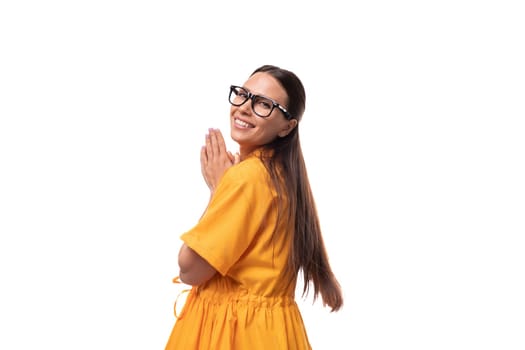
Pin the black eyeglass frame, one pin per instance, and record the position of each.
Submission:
(252, 97)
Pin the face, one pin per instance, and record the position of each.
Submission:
(251, 131)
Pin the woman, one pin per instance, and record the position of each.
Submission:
(259, 231)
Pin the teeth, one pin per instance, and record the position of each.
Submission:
(242, 123)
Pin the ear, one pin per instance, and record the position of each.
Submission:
(288, 127)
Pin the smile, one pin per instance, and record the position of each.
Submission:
(242, 123)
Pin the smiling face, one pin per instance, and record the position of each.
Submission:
(251, 131)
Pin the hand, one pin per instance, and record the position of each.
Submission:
(215, 159)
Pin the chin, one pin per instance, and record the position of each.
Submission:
(237, 139)
(238, 134)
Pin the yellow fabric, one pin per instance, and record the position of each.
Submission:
(249, 304)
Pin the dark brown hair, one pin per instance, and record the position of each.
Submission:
(288, 173)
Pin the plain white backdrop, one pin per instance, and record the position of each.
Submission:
(413, 137)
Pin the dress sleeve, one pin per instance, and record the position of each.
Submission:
(234, 216)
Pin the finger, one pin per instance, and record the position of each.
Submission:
(214, 143)
(204, 157)
(208, 145)
(237, 158)
(220, 141)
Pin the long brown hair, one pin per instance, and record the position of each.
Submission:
(288, 173)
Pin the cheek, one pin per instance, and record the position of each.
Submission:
(271, 131)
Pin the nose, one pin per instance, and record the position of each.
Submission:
(246, 107)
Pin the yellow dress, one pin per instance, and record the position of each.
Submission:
(249, 304)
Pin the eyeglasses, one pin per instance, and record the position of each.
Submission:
(262, 106)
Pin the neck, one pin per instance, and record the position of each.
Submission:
(245, 151)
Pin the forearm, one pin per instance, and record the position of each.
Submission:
(194, 270)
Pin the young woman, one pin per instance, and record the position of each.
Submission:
(259, 230)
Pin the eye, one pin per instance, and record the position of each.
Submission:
(264, 103)
(242, 93)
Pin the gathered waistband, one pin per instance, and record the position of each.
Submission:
(240, 296)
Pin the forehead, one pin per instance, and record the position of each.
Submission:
(262, 83)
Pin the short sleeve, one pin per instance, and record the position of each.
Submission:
(234, 217)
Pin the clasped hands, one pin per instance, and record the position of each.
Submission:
(215, 158)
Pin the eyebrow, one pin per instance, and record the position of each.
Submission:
(272, 99)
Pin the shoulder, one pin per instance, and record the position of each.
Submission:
(249, 170)
(248, 177)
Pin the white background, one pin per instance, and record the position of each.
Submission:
(413, 137)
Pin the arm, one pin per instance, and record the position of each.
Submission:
(215, 160)
(194, 270)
